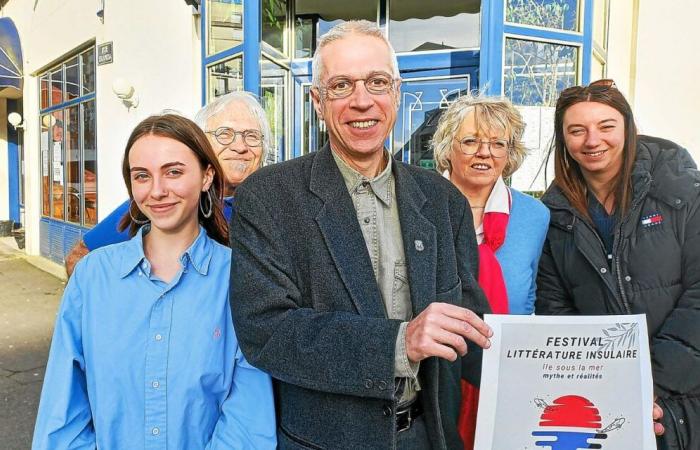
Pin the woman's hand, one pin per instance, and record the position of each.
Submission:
(657, 414)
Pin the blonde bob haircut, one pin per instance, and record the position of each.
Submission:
(493, 116)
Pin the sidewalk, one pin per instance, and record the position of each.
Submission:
(29, 298)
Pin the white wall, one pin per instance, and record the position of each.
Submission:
(668, 63)
(4, 173)
(156, 48)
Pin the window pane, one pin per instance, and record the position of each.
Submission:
(314, 134)
(558, 14)
(273, 87)
(313, 18)
(72, 165)
(224, 24)
(45, 143)
(57, 164)
(88, 64)
(274, 24)
(89, 163)
(535, 72)
(417, 25)
(57, 87)
(225, 77)
(72, 79)
(600, 22)
(44, 87)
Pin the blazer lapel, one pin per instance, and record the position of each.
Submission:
(337, 221)
(419, 239)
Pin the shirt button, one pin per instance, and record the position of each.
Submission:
(369, 384)
(681, 421)
(678, 201)
(159, 337)
(387, 410)
(696, 184)
(628, 278)
(155, 385)
(155, 431)
(366, 219)
(603, 270)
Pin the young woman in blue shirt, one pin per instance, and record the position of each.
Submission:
(144, 354)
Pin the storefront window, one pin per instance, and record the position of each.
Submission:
(273, 90)
(67, 143)
(416, 25)
(224, 24)
(89, 163)
(225, 77)
(313, 18)
(556, 14)
(44, 88)
(313, 131)
(535, 72)
(274, 24)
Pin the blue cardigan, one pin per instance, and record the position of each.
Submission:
(520, 253)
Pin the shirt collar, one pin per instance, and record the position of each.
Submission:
(499, 198)
(381, 184)
(198, 254)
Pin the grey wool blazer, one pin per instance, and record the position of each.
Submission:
(307, 309)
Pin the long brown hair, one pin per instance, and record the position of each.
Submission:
(188, 133)
(567, 172)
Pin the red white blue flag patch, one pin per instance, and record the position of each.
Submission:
(652, 220)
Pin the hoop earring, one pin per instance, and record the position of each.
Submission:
(134, 219)
(210, 208)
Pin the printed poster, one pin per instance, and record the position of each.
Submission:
(566, 383)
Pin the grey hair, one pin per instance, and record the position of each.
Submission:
(343, 30)
(490, 114)
(251, 103)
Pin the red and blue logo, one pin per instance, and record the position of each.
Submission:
(573, 423)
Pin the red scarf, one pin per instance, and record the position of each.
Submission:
(492, 283)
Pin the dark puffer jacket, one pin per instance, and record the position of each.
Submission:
(655, 270)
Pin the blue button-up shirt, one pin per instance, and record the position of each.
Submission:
(137, 363)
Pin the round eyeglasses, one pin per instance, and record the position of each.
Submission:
(226, 135)
(342, 86)
(470, 145)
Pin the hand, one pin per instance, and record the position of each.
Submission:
(657, 414)
(441, 329)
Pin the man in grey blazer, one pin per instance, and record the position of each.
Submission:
(353, 275)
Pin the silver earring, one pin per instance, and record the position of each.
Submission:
(210, 208)
(134, 219)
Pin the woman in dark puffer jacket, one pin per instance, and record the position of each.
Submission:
(624, 238)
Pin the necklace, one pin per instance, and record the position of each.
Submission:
(477, 207)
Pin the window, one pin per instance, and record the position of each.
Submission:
(67, 141)
(556, 14)
(224, 77)
(417, 25)
(274, 24)
(273, 96)
(224, 25)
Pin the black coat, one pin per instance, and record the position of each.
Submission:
(655, 270)
(307, 309)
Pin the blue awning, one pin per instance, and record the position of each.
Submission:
(10, 58)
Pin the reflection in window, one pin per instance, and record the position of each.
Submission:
(225, 77)
(224, 24)
(89, 163)
(87, 61)
(557, 14)
(56, 155)
(57, 86)
(72, 80)
(313, 131)
(45, 144)
(313, 18)
(274, 24)
(273, 89)
(535, 72)
(72, 164)
(417, 25)
(44, 87)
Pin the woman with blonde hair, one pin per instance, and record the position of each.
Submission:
(477, 145)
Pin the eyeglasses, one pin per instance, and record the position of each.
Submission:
(226, 135)
(596, 86)
(470, 145)
(376, 83)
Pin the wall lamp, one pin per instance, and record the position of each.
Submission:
(125, 92)
(15, 120)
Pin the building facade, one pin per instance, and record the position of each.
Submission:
(89, 70)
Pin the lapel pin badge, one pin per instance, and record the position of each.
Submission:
(419, 245)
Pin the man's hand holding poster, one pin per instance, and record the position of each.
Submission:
(566, 383)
